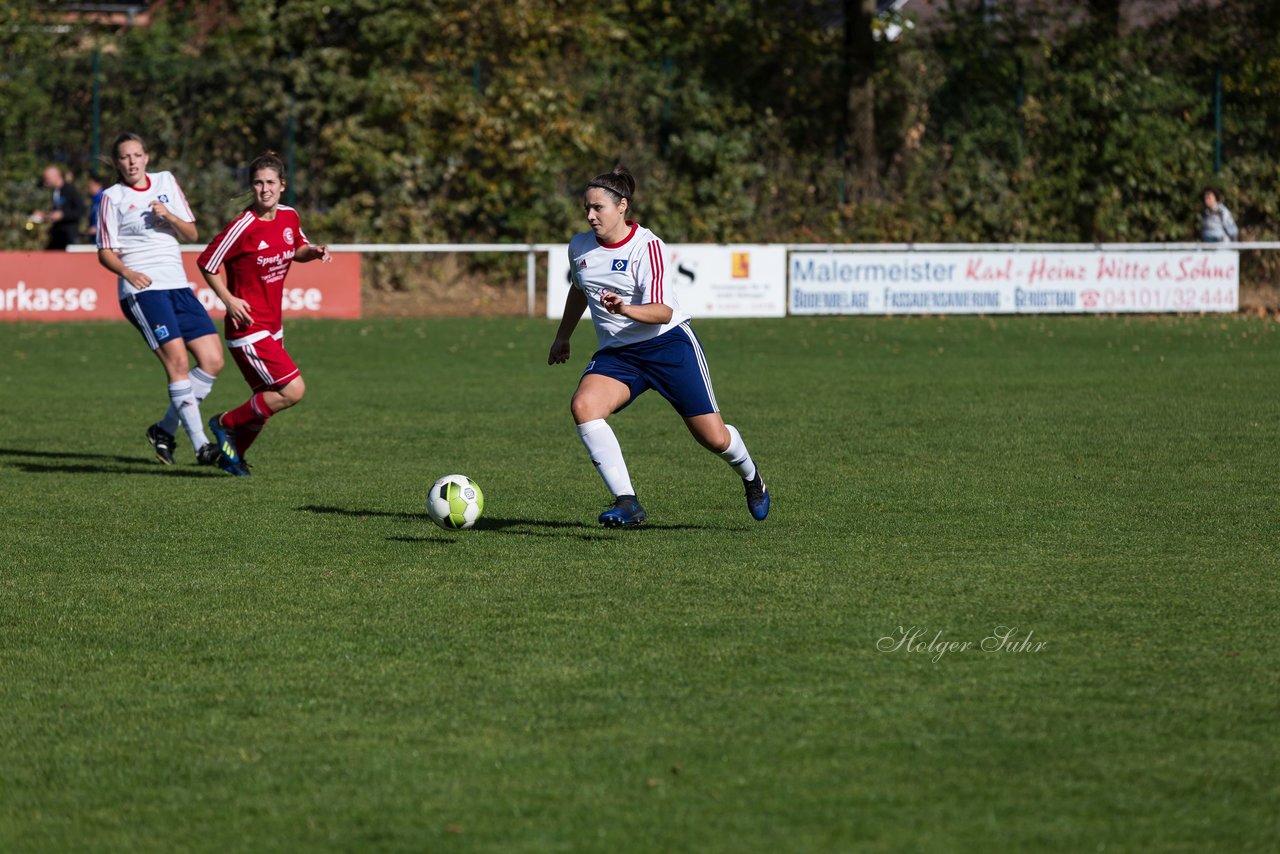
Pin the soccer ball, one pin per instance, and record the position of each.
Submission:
(455, 502)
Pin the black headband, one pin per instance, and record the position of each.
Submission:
(606, 187)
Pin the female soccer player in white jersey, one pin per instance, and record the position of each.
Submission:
(256, 249)
(619, 272)
(140, 221)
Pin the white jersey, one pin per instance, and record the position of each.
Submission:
(634, 268)
(143, 242)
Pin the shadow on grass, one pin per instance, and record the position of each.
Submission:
(362, 514)
(66, 462)
(519, 527)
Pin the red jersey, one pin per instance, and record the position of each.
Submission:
(257, 254)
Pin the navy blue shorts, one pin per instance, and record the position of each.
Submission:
(673, 364)
(162, 316)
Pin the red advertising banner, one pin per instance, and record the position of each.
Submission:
(46, 286)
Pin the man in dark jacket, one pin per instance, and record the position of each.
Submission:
(65, 214)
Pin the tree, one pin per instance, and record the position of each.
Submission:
(861, 159)
(744, 119)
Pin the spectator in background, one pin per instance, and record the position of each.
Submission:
(1216, 224)
(67, 210)
(95, 199)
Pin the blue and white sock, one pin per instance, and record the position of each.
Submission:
(201, 384)
(736, 455)
(606, 454)
(170, 423)
(184, 403)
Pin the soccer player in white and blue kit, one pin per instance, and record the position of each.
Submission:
(140, 221)
(619, 272)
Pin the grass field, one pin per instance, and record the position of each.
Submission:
(301, 661)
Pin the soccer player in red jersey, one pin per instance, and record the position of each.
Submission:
(256, 250)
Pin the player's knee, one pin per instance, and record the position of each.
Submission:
(294, 392)
(589, 407)
(714, 437)
(212, 363)
(208, 352)
(175, 364)
(716, 444)
(581, 409)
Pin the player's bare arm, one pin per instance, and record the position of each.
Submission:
(237, 309)
(574, 305)
(311, 252)
(111, 260)
(186, 231)
(654, 312)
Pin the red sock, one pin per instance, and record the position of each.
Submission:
(248, 434)
(247, 420)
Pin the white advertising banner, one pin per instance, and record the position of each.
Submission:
(1013, 282)
(710, 280)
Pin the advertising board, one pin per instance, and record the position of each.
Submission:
(58, 286)
(1013, 282)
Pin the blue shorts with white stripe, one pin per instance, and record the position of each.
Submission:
(163, 315)
(672, 364)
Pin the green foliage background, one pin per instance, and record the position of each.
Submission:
(464, 121)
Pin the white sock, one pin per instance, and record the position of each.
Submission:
(606, 455)
(170, 423)
(184, 403)
(737, 456)
(201, 384)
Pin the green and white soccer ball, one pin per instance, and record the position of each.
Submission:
(455, 502)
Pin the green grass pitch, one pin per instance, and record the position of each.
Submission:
(302, 661)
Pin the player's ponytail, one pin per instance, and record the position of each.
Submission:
(619, 183)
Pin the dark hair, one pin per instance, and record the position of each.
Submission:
(267, 160)
(1217, 194)
(619, 183)
(115, 149)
